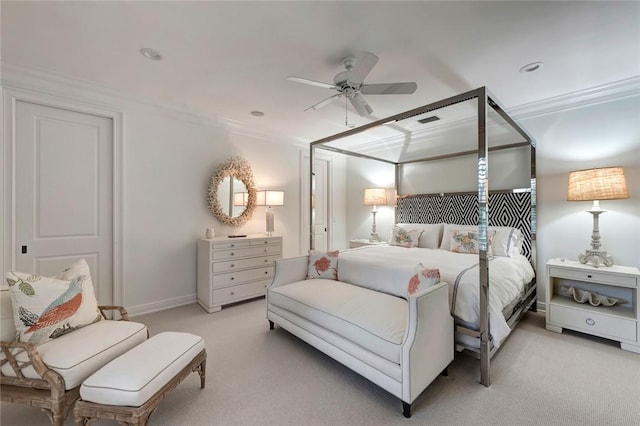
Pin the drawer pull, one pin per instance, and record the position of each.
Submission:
(266, 242)
(231, 254)
(266, 260)
(232, 293)
(232, 278)
(589, 276)
(233, 266)
(266, 272)
(590, 321)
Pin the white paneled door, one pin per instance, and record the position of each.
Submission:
(321, 212)
(64, 193)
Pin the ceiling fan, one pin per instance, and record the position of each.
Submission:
(350, 84)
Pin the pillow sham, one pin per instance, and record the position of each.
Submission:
(469, 242)
(506, 241)
(422, 278)
(431, 233)
(404, 237)
(323, 264)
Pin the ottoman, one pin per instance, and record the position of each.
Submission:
(129, 388)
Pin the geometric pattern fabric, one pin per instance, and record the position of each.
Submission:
(505, 209)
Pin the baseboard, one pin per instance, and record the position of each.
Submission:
(161, 305)
(541, 306)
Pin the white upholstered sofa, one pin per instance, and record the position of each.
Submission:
(400, 344)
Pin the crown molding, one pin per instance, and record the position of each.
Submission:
(591, 96)
(51, 83)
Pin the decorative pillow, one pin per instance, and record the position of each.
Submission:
(88, 312)
(43, 307)
(47, 307)
(405, 237)
(431, 233)
(506, 241)
(323, 264)
(468, 242)
(422, 278)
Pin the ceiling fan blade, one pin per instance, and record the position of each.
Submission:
(311, 82)
(365, 62)
(360, 104)
(389, 88)
(323, 102)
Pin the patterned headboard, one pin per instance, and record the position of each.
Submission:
(505, 209)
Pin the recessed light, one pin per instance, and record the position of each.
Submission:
(257, 113)
(533, 66)
(150, 53)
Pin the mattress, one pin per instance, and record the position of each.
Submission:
(508, 277)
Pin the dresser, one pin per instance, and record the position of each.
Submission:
(618, 322)
(235, 269)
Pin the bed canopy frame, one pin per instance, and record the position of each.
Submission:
(471, 126)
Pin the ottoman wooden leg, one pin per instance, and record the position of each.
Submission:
(202, 371)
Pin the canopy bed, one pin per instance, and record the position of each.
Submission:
(441, 155)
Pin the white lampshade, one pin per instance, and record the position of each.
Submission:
(240, 198)
(375, 196)
(270, 198)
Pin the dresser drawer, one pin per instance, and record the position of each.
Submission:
(239, 292)
(225, 245)
(233, 278)
(246, 252)
(592, 322)
(593, 276)
(236, 264)
(264, 241)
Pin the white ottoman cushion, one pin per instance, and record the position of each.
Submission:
(134, 377)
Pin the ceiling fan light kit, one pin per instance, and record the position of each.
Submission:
(350, 84)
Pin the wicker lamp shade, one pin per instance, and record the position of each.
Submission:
(607, 183)
(375, 197)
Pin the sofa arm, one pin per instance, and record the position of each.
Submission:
(290, 270)
(429, 345)
(10, 350)
(124, 315)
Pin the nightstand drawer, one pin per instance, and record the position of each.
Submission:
(591, 322)
(593, 276)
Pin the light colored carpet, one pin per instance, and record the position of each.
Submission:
(260, 377)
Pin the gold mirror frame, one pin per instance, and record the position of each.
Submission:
(234, 168)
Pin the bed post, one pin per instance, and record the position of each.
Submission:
(483, 223)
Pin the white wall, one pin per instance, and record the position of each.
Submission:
(168, 159)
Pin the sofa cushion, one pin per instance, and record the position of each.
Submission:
(133, 378)
(371, 319)
(75, 356)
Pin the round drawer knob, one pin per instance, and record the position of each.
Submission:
(589, 276)
(233, 266)
(266, 272)
(232, 293)
(590, 321)
(231, 254)
(232, 278)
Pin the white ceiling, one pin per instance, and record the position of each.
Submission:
(224, 59)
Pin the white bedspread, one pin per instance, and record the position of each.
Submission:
(371, 266)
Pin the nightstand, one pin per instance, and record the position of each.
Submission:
(618, 322)
(364, 242)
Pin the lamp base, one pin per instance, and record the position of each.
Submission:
(597, 258)
(374, 238)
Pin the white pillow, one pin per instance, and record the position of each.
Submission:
(431, 233)
(507, 240)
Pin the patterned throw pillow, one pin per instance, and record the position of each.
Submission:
(43, 307)
(469, 242)
(48, 307)
(405, 237)
(323, 264)
(422, 278)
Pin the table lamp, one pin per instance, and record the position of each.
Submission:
(374, 197)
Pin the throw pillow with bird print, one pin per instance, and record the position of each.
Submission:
(43, 307)
(88, 311)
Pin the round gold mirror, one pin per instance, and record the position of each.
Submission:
(232, 193)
